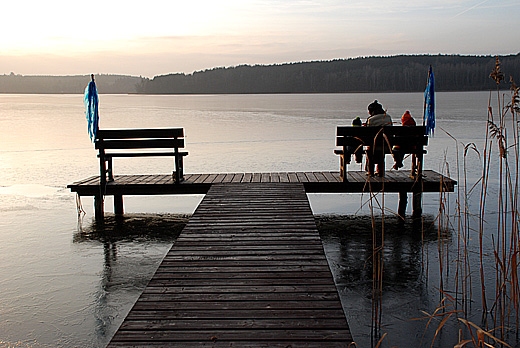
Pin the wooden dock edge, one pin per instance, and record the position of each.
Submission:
(313, 182)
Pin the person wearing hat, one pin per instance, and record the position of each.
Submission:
(376, 154)
(407, 121)
(357, 151)
(377, 115)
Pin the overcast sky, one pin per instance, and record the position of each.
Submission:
(153, 37)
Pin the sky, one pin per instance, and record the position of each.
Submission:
(159, 37)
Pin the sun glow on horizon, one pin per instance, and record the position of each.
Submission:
(67, 37)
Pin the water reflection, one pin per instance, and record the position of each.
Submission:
(132, 248)
(382, 290)
(348, 242)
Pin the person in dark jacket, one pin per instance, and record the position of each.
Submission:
(375, 152)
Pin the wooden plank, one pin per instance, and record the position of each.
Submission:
(257, 177)
(140, 144)
(284, 177)
(247, 177)
(301, 177)
(228, 178)
(201, 178)
(293, 177)
(265, 177)
(219, 178)
(154, 295)
(320, 177)
(311, 177)
(211, 178)
(330, 177)
(237, 177)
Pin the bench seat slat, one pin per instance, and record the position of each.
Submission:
(143, 154)
(139, 143)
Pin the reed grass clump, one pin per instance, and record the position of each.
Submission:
(498, 241)
(483, 275)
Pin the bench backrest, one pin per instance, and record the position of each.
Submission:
(413, 136)
(139, 138)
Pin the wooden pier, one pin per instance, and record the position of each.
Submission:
(248, 270)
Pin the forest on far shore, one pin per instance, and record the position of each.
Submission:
(403, 73)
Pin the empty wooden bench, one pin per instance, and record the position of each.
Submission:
(139, 143)
(387, 139)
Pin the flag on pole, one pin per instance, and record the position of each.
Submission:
(429, 104)
(91, 101)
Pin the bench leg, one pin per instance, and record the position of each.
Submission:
(179, 169)
(109, 170)
(118, 205)
(342, 168)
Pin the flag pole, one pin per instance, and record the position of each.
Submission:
(424, 109)
(429, 104)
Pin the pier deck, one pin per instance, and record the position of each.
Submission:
(248, 270)
(314, 182)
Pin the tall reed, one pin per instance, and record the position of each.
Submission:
(500, 174)
(504, 134)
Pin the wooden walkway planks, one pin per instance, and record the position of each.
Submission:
(314, 182)
(248, 270)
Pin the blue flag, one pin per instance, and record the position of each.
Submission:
(429, 104)
(91, 101)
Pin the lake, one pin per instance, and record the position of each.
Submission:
(66, 283)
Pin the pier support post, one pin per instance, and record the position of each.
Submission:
(99, 208)
(403, 202)
(417, 204)
(118, 205)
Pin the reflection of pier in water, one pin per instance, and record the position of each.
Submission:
(348, 241)
(126, 272)
(132, 248)
(401, 291)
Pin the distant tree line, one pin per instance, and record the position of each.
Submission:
(108, 84)
(405, 73)
(373, 74)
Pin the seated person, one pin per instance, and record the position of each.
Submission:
(377, 115)
(376, 155)
(356, 150)
(408, 121)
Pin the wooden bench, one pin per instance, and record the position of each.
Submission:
(109, 142)
(387, 140)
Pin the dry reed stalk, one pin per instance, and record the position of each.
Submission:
(481, 335)
(506, 243)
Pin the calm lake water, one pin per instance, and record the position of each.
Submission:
(64, 283)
